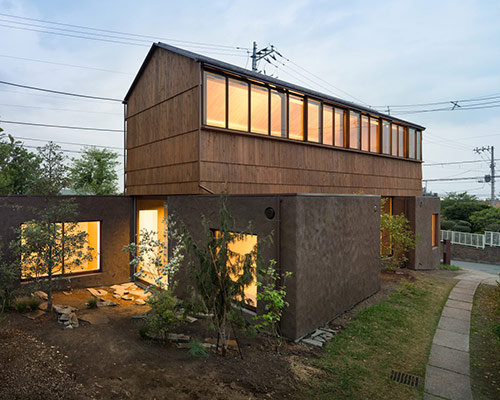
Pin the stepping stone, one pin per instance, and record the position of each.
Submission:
(102, 292)
(140, 302)
(93, 292)
(35, 314)
(191, 319)
(117, 296)
(42, 295)
(66, 293)
(105, 303)
(63, 309)
(447, 384)
(127, 298)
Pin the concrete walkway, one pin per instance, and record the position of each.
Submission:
(448, 371)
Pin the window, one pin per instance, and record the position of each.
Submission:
(419, 145)
(394, 144)
(238, 105)
(435, 230)
(411, 143)
(365, 133)
(313, 121)
(339, 127)
(386, 135)
(401, 141)
(215, 99)
(259, 109)
(296, 118)
(278, 113)
(327, 125)
(374, 135)
(353, 130)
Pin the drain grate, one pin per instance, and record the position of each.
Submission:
(405, 379)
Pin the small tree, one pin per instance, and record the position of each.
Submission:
(9, 278)
(94, 172)
(54, 172)
(397, 238)
(46, 245)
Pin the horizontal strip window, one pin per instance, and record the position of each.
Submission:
(255, 107)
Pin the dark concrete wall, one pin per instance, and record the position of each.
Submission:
(419, 212)
(488, 255)
(331, 244)
(114, 212)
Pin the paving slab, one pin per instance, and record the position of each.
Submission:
(460, 296)
(470, 292)
(453, 340)
(459, 304)
(456, 313)
(467, 284)
(447, 384)
(428, 396)
(450, 359)
(454, 325)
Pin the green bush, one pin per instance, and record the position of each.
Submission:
(483, 218)
(448, 225)
(450, 267)
(462, 228)
(92, 302)
(196, 349)
(22, 304)
(34, 302)
(165, 313)
(493, 227)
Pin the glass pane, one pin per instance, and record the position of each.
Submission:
(386, 135)
(411, 143)
(92, 229)
(365, 133)
(401, 142)
(215, 100)
(260, 109)
(327, 125)
(313, 121)
(353, 130)
(374, 135)
(296, 118)
(278, 113)
(419, 145)
(339, 127)
(394, 146)
(238, 105)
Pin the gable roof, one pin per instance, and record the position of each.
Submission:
(227, 67)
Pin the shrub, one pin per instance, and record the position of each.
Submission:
(34, 302)
(9, 276)
(462, 228)
(165, 313)
(196, 349)
(92, 302)
(21, 304)
(448, 225)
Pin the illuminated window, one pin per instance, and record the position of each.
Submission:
(374, 136)
(327, 125)
(435, 230)
(353, 130)
(238, 105)
(394, 142)
(278, 113)
(386, 137)
(259, 109)
(339, 127)
(401, 142)
(69, 264)
(296, 118)
(411, 143)
(419, 145)
(313, 121)
(215, 99)
(365, 133)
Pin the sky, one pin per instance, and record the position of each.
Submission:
(377, 53)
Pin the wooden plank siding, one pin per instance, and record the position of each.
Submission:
(253, 164)
(162, 127)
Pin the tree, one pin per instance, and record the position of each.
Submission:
(95, 173)
(9, 278)
(53, 173)
(19, 168)
(460, 206)
(45, 245)
(485, 219)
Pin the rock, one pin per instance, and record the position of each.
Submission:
(42, 295)
(203, 316)
(105, 303)
(117, 296)
(35, 314)
(313, 342)
(69, 327)
(73, 320)
(191, 319)
(63, 309)
(140, 302)
(178, 338)
(44, 306)
(93, 292)
(94, 318)
(127, 298)
(102, 292)
(67, 293)
(64, 317)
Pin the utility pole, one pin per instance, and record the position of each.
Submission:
(258, 55)
(491, 150)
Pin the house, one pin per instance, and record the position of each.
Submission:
(303, 166)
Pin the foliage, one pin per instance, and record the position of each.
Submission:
(92, 302)
(454, 197)
(459, 207)
(165, 313)
(21, 304)
(196, 349)
(397, 238)
(94, 173)
(222, 275)
(9, 276)
(449, 267)
(448, 225)
(481, 219)
(272, 293)
(34, 302)
(53, 173)
(19, 168)
(42, 245)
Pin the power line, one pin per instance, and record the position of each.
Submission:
(59, 92)
(59, 109)
(69, 143)
(61, 126)
(457, 162)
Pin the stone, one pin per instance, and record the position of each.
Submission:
(191, 319)
(60, 309)
(93, 292)
(44, 306)
(454, 325)
(117, 296)
(42, 295)
(64, 317)
(456, 313)
(127, 298)
(459, 304)
(102, 292)
(140, 302)
(35, 314)
(178, 338)
(73, 320)
(313, 342)
(105, 303)
(452, 340)
(69, 327)
(447, 384)
(66, 293)
(450, 359)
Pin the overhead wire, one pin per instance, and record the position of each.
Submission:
(59, 109)
(68, 143)
(83, 128)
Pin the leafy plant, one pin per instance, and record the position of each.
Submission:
(397, 238)
(273, 294)
(196, 349)
(9, 276)
(450, 267)
(21, 304)
(481, 219)
(165, 313)
(92, 302)
(34, 302)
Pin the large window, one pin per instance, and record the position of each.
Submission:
(313, 121)
(215, 100)
(278, 113)
(374, 135)
(394, 144)
(354, 130)
(419, 145)
(327, 125)
(411, 143)
(401, 141)
(365, 133)
(259, 109)
(386, 137)
(339, 127)
(238, 105)
(296, 118)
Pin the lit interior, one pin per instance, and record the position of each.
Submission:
(238, 105)
(327, 125)
(260, 111)
(215, 100)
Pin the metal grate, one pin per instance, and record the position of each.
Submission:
(405, 379)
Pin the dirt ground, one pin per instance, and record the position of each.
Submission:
(40, 359)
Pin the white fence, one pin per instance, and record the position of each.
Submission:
(472, 239)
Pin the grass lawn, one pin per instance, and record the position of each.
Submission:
(395, 334)
(485, 343)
